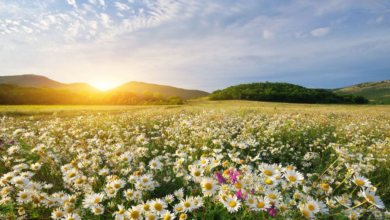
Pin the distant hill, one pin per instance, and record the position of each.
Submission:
(39, 81)
(377, 92)
(283, 92)
(166, 91)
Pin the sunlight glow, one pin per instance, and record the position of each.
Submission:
(103, 85)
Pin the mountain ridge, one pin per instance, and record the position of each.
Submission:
(39, 81)
(166, 91)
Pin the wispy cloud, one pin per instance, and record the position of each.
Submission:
(72, 2)
(320, 32)
(268, 35)
(121, 7)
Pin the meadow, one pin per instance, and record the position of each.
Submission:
(203, 160)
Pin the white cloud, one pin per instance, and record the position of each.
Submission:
(102, 3)
(92, 24)
(320, 32)
(268, 35)
(92, 1)
(105, 19)
(27, 29)
(120, 15)
(131, 1)
(300, 35)
(73, 30)
(72, 2)
(379, 20)
(121, 7)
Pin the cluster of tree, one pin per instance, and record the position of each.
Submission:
(283, 92)
(11, 94)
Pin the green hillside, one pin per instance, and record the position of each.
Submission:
(166, 91)
(283, 92)
(11, 94)
(39, 81)
(376, 92)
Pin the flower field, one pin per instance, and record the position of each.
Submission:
(197, 163)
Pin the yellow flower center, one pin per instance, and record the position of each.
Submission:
(251, 201)
(272, 196)
(359, 182)
(167, 217)
(260, 205)
(152, 217)
(59, 214)
(72, 175)
(232, 204)
(23, 196)
(370, 198)
(311, 207)
(238, 185)
(292, 178)
(187, 204)
(197, 173)
(268, 172)
(96, 200)
(269, 182)
(305, 213)
(183, 216)
(134, 214)
(97, 211)
(208, 186)
(179, 209)
(19, 182)
(117, 185)
(120, 212)
(146, 207)
(290, 168)
(158, 206)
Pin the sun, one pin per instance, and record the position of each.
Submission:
(102, 85)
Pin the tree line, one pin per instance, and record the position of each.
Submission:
(11, 94)
(284, 92)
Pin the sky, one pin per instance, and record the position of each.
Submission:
(197, 44)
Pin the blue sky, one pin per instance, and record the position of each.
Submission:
(197, 44)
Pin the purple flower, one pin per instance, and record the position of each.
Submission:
(233, 176)
(239, 194)
(12, 142)
(1, 141)
(272, 211)
(253, 191)
(220, 178)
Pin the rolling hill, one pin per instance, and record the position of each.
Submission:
(284, 92)
(377, 92)
(39, 81)
(166, 91)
